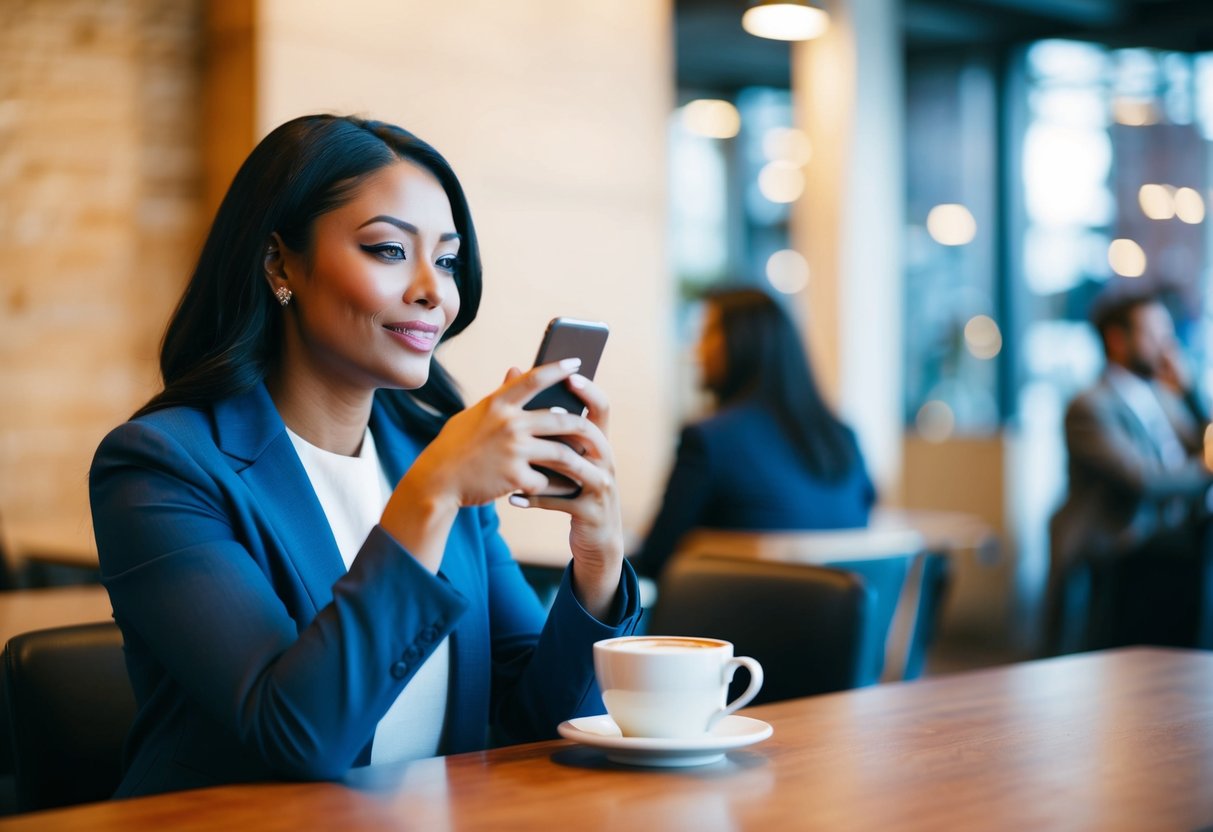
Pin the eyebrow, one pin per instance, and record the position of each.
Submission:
(406, 227)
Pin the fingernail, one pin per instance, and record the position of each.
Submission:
(571, 364)
(519, 501)
(577, 380)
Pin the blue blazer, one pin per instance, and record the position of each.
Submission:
(738, 470)
(255, 655)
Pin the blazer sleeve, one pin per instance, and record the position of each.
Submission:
(543, 676)
(1097, 442)
(682, 508)
(305, 702)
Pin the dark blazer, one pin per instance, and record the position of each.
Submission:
(739, 470)
(254, 655)
(1120, 493)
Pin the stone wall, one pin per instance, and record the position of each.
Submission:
(99, 224)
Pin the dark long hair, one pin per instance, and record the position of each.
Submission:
(766, 360)
(226, 331)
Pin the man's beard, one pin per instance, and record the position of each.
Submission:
(1138, 366)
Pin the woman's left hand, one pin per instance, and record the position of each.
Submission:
(596, 530)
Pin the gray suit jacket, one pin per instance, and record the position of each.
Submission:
(1120, 491)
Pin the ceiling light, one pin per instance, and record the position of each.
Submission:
(785, 20)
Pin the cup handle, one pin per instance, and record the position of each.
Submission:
(750, 692)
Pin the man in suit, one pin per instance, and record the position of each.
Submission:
(1129, 536)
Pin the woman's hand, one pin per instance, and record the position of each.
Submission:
(482, 453)
(596, 530)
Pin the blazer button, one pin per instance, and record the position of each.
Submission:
(412, 654)
(400, 670)
(428, 635)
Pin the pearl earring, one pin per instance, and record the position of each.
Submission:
(284, 295)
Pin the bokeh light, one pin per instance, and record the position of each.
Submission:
(951, 224)
(983, 338)
(1156, 201)
(711, 118)
(1189, 206)
(935, 421)
(781, 181)
(788, 271)
(1126, 258)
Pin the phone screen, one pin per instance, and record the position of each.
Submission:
(567, 338)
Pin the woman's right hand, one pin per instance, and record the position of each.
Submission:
(482, 453)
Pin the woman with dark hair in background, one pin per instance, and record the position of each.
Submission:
(297, 534)
(773, 457)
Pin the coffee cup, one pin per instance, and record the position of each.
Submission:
(670, 686)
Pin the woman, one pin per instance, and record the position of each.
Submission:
(773, 457)
(297, 534)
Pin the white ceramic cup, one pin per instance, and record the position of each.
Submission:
(670, 686)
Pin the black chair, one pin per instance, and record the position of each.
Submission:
(70, 706)
(807, 625)
(1160, 593)
(8, 576)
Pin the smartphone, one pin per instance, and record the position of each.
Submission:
(567, 338)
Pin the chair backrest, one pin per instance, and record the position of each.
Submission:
(807, 625)
(70, 705)
(883, 557)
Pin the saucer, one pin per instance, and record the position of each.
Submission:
(602, 732)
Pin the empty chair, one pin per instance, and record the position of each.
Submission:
(807, 625)
(70, 705)
(883, 557)
(934, 583)
(885, 577)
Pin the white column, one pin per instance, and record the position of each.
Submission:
(847, 92)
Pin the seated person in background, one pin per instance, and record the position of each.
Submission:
(1134, 514)
(298, 534)
(772, 457)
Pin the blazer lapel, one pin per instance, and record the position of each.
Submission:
(250, 431)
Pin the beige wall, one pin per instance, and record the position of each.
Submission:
(969, 475)
(552, 113)
(98, 186)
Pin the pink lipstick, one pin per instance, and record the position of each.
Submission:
(416, 335)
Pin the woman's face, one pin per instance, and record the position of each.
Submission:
(711, 352)
(376, 289)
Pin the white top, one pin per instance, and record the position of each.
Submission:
(353, 491)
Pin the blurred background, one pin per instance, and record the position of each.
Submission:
(936, 188)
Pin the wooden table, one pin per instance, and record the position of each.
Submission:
(1105, 741)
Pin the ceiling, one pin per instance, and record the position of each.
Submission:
(706, 30)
